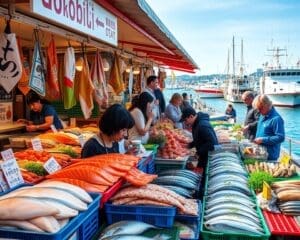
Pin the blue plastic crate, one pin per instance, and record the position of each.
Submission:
(79, 227)
(14, 188)
(146, 163)
(155, 215)
(151, 166)
(192, 221)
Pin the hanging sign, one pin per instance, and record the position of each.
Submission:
(82, 15)
(37, 76)
(10, 64)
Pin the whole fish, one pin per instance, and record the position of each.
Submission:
(136, 237)
(125, 227)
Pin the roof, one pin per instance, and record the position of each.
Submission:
(164, 49)
(140, 33)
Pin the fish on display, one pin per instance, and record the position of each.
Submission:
(137, 237)
(126, 228)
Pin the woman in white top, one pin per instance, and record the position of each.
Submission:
(141, 111)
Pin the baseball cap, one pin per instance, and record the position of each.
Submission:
(186, 112)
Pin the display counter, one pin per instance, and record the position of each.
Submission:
(8, 128)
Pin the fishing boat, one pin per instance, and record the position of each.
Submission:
(237, 84)
(211, 89)
(281, 84)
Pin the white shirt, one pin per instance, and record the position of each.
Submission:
(139, 120)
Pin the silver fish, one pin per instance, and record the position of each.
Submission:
(125, 227)
(136, 237)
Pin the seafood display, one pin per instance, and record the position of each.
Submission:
(229, 205)
(40, 208)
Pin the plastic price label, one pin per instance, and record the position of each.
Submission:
(12, 173)
(53, 128)
(3, 183)
(51, 165)
(81, 140)
(285, 158)
(7, 154)
(267, 191)
(37, 144)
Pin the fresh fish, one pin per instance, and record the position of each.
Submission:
(135, 237)
(180, 172)
(125, 227)
(233, 207)
(230, 199)
(229, 185)
(224, 154)
(230, 226)
(179, 190)
(177, 181)
(253, 220)
(75, 190)
(225, 177)
(228, 193)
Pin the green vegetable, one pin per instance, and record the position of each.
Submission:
(256, 179)
(159, 139)
(236, 127)
(36, 168)
(65, 150)
(248, 161)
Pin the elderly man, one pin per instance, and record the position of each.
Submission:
(270, 129)
(252, 116)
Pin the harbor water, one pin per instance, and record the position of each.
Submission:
(291, 116)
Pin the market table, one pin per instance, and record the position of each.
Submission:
(12, 127)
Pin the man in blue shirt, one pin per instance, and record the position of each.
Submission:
(270, 129)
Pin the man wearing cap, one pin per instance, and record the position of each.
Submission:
(204, 136)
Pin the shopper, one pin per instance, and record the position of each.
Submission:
(42, 114)
(173, 111)
(141, 112)
(152, 84)
(270, 129)
(252, 116)
(113, 126)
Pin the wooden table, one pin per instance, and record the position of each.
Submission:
(12, 127)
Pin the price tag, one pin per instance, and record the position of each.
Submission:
(3, 183)
(285, 158)
(12, 173)
(81, 140)
(267, 191)
(37, 144)
(51, 165)
(7, 154)
(53, 128)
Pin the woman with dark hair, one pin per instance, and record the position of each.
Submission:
(143, 116)
(42, 114)
(113, 126)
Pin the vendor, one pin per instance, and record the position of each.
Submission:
(113, 126)
(42, 115)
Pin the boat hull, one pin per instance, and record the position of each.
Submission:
(285, 100)
(209, 93)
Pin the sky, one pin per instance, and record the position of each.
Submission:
(205, 29)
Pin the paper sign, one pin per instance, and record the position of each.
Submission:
(7, 154)
(3, 183)
(53, 128)
(12, 173)
(37, 144)
(51, 165)
(267, 191)
(285, 158)
(81, 140)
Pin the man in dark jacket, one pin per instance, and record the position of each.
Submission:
(162, 103)
(204, 136)
(252, 116)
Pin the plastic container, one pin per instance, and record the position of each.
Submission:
(111, 191)
(209, 235)
(280, 224)
(155, 215)
(162, 164)
(152, 147)
(16, 187)
(81, 227)
(145, 162)
(193, 221)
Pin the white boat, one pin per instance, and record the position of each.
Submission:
(281, 84)
(211, 89)
(237, 84)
